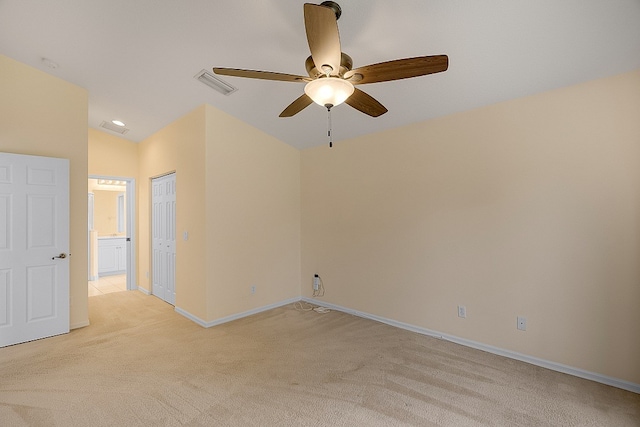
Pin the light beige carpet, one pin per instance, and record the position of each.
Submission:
(140, 363)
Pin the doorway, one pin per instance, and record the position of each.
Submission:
(111, 235)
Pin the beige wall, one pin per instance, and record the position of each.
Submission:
(179, 148)
(238, 197)
(44, 116)
(105, 216)
(253, 217)
(110, 155)
(529, 207)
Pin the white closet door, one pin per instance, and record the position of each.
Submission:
(164, 237)
(34, 246)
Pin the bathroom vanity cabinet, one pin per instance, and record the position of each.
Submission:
(112, 255)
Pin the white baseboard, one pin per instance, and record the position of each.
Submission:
(237, 316)
(604, 379)
(143, 290)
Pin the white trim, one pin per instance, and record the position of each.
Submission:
(132, 272)
(143, 290)
(233, 317)
(558, 367)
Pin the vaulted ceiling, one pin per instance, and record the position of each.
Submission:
(138, 59)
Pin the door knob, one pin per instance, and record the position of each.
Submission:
(61, 256)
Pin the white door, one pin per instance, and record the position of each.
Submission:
(34, 245)
(164, 237)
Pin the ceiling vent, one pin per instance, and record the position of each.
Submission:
(114, 128)
(215, 82)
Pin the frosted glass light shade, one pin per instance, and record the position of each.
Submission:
(329, 91)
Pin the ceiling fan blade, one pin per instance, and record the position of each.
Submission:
(323, 37)
(264, 75)
(398, 69)
(365, 103)
(296, 106)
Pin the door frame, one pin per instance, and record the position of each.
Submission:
(131, 226)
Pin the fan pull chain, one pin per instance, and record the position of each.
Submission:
(329, 125)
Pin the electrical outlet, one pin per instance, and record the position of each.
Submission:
(253, 289)
(462, 311)
(522, 323)
(316, 282)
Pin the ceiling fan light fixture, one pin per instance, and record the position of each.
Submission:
(329, 91)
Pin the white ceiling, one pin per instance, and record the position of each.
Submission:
(137, 58)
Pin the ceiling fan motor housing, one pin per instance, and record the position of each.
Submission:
(346, 63)
(334, 6)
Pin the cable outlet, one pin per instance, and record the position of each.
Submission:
(253, 289)
(462, 311)
(522, 323)
(316, 282)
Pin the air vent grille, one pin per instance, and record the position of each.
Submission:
(215, 82)
(114, 128)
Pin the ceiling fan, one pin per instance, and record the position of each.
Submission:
(331, 78)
